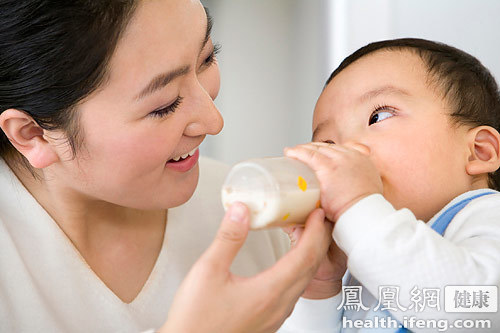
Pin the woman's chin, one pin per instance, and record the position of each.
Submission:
(181, 190)
(173, 190)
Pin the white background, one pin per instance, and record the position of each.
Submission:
(277, 54)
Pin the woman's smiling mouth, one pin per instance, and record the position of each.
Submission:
(184, 162)
(184, 156)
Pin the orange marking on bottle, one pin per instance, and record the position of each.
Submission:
(318, 204)
(286, 216)
(302, 184)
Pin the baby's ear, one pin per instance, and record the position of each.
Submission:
(28, 138)
(484, 149)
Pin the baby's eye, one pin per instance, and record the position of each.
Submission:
(381, 113)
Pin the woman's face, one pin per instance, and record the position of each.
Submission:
(156, 105)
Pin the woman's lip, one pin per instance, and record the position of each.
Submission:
(186, 164)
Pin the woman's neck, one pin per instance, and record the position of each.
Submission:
(78, 215)
(111, 238)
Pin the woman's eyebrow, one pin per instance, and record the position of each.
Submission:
(161, 80)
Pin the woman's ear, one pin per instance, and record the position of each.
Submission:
(484, 153)
(28, 138)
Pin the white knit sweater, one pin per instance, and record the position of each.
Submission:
(46, 286)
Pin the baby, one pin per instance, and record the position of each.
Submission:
(406, 149)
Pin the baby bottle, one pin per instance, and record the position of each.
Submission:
(278, 191)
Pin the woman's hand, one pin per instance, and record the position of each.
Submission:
(327, 281)
(212, 299)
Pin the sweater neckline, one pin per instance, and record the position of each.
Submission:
(458, 198)
(44, 217)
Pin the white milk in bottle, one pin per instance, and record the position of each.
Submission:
(278, 191)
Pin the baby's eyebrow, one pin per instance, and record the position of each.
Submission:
(385, 90)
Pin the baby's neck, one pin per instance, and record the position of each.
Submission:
(479, 182)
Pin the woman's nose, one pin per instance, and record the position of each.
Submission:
(206, 118)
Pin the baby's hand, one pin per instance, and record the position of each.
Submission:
(346, 173)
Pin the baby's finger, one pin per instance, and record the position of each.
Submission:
(326, 145)
(289, 231)
(302, 145)
(319, 143)
(312, 156)
(363, 149)
(294, 235)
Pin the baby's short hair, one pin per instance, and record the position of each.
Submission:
(468, 87)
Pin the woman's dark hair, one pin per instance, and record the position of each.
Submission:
(463, 81)
(53, 54)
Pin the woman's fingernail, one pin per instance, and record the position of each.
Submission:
(237, 212)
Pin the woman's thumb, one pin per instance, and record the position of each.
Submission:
(230, 237)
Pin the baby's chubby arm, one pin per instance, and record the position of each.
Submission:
(346, 173)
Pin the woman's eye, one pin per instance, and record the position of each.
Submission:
(213, 55)
(164, 111)
(380, 113)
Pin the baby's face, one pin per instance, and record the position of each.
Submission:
(384, 101)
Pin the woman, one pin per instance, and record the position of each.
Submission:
(103, 107)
